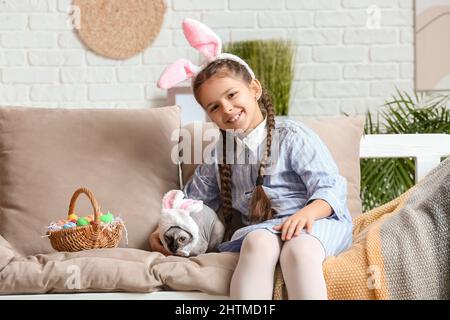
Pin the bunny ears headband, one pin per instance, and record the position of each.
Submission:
(208, 44)
(176, 211)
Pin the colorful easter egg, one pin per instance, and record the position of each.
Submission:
(107, 218)
(82, 222)
(73, 217)
(53, 227)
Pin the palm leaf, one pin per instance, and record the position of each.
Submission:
(385, 179)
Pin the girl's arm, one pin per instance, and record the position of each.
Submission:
(156, 244)
(318, 209)
(304, 218)
(312, 161)
(326, 189)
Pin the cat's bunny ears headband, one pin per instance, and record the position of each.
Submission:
(208, 44)
(176, 211)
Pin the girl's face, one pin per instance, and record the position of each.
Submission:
(231, 103)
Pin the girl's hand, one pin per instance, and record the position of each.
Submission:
(156, 244)
(295, 224)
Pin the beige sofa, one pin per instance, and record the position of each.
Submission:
(125, 157)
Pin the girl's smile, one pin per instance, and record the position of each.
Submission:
(236, 117)
(231, 103)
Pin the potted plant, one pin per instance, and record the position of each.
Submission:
(273, 64)
(422, 113)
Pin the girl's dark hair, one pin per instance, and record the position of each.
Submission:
(260, 206)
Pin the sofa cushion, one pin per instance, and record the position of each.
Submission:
(342, 136)
(99, 270)
(122, 155)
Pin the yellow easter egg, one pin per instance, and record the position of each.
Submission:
(73, 216)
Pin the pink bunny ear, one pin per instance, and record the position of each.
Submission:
(180, 70)
(192, 205)
(202, 38)
(168, 199)
(172, 199)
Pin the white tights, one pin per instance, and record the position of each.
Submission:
(301, 261)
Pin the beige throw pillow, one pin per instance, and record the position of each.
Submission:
(122, 155)
(342, 136)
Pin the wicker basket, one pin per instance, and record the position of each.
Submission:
(87, 237)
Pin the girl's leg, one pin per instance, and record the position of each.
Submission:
(254, 273)
(301, 263)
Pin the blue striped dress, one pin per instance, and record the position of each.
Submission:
(302, 170)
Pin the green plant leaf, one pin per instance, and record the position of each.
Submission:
(385, 179)
(273, 64)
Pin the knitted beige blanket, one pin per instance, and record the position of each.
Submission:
(400, 250)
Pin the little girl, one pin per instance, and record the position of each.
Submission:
(297, 214)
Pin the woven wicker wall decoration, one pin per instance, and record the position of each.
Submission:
(119, 29)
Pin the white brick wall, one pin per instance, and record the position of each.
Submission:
(341, 64)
